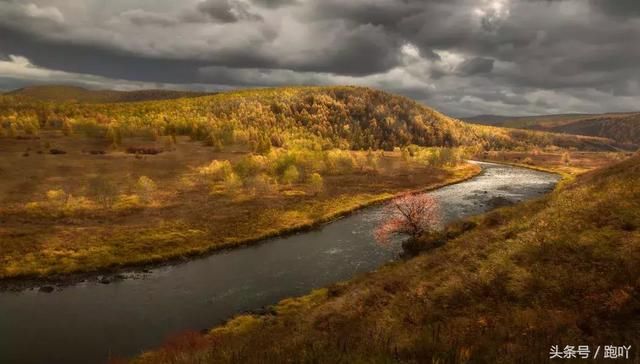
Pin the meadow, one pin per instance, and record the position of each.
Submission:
(93, 208)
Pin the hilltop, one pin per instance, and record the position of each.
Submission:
(561, 270)
(624, 128)
(68, 93)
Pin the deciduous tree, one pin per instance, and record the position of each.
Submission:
(412, 215)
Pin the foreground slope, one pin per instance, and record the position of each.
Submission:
(562, 270)
(67, 93)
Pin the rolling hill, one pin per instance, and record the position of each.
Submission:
(520, 121)
(67, 93)
(340, 117)
(624, 128)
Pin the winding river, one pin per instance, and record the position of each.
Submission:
(91, 322)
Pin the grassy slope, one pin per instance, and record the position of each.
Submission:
(64, 93)
(562, 270)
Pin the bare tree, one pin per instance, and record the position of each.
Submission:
(412, 215)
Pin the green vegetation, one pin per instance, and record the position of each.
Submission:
(561, 270)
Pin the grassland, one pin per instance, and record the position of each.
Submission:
(94, 207)
(561, 270)
(567, 163)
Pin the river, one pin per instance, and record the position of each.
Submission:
(90, 322)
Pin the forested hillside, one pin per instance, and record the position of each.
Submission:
(321, 118)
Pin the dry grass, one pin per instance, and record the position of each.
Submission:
(42, 234)
(562, 270)
(570, 163)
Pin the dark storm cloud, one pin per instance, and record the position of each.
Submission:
(464, 56)
(227, 11)
(476, 65)
(624, 8)
(275, 3)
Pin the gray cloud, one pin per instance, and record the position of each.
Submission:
(227, 11)
(476, 65)
(462, 56)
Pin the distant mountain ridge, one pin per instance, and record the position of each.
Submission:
(621, 127)
(69, 93)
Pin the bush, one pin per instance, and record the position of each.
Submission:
(127, 202)
(316, 183)
(339, 161)
(290, 175)
(146, 188)
(250, 166)
(103, 191)
(262, 184)
(57, 198)
(232, 182)
(216, 171)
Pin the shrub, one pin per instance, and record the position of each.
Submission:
(316, 183)
(146, 188)
(339, 161)
(127, 202)
(250, 166)
(103, 191)
(57, 198)
(290, 175)
(216, 171)
(232, 182)
(262, 184)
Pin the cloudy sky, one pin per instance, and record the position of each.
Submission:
(464, 57)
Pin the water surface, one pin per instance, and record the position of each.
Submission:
(91, 322)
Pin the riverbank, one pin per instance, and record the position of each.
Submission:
(566, 163)
(554, 271)
(307, 213)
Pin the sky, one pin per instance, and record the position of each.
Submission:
(462, 57)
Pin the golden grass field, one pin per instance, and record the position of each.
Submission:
(51, 224)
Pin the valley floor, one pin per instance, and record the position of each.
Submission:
(92, 208)
(561, 270)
